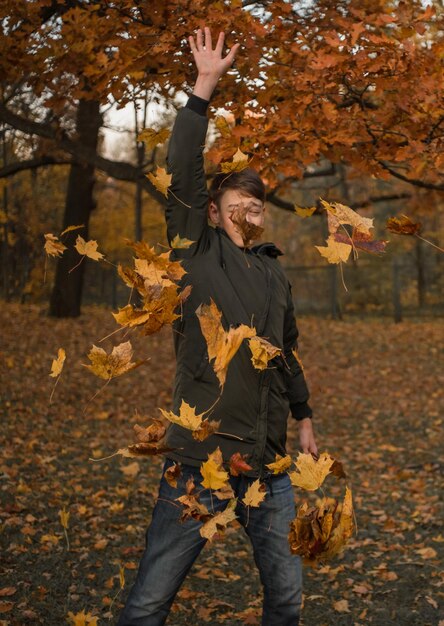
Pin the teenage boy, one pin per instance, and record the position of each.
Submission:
(249, 287)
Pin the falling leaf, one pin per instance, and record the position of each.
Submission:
(335, 251)
(247, 230)
(53, 247)
(262, 352)
(82, 619)
(403, 225)
(221, 345)
(218, 522)
(187, 418)
(122, 576)
(302, 212)
(181, 243)
(343, 530)
(342, 214)
(223, 126)
(88, 248)
(152, 433)
(172, 474)
(57, 364)
(153, 137)
(64, 517)
(143, 449)
(238, 464)
(281, 464)
(70, 228)
(109, 366)
(238, 163)
(255, 494)
(361, 241)
(311, 473)
(161, 180)
(214, 476)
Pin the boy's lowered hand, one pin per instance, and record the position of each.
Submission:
(306, 437)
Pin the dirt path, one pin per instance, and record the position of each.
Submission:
(377, 392)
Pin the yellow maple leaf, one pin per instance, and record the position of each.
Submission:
(181, 243)
(255, 494)
(342, 214)
(57, 364)
(82, 619)
(262, 351)
(281, 464)
(109, 366)
(222, 345)
(187, 416)
(304, 212)
(161, 180)
(70, 228)
(311, 473)
(238, 163)
(335, 251)
(153, 137)
(342, 532)
(214, 476)
(218, 522)
(53, 247)
(88, 248)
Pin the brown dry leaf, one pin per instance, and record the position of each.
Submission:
(53, 247)
(172, 474)
(214, 476)
(311, 473)
(181, 243)
(109, 366)
(221, 345)
(152, 433)
(344, 529)
(218, 522)
(152, 137)
(143, 449)
(161, 180)
(335, 251)
(304, 212)
(238, 464)
(238, 163)
(255, 494)
(362, 241)
(88, 248)
(262, 351)
(342, 214)
(403, 225)
(247, 230)
(192, 508)
(281, 464)
(57, 364)
(226, 493)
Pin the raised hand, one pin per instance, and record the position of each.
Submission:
(211, 65)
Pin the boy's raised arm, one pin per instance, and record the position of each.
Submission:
(186, 213)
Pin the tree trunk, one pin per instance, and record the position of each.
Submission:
(66, 295)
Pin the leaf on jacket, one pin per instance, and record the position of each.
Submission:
(109, 366)
(262, 351)
(321, 532)
(53, 247)
(187, 418)
(222, 345)
(172, 474)
(247, 230)
(219, 521)
(57, 364)
(311, 473)
(238, 163)
(255, 494)
(214, 476)
(161, 180)
(402, 225)
(152, 137)
(180, 243)
(335, 251)
(238, 464)
(88, 248)
(281, 464)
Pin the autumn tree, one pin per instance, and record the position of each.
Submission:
(317, 86)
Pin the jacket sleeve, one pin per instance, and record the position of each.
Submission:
(297, 389)
(187, 208)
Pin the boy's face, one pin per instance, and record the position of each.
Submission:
(230, 201)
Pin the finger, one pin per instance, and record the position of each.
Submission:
(220, 43)
(232, 54)
(192, 44)
(199, 38)
(208, 42)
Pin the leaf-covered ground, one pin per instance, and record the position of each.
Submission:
(377, 392)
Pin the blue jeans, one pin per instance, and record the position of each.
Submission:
(172, 547)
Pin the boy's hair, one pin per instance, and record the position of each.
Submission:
(246, 181)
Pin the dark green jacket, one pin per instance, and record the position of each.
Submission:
(249, 287)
